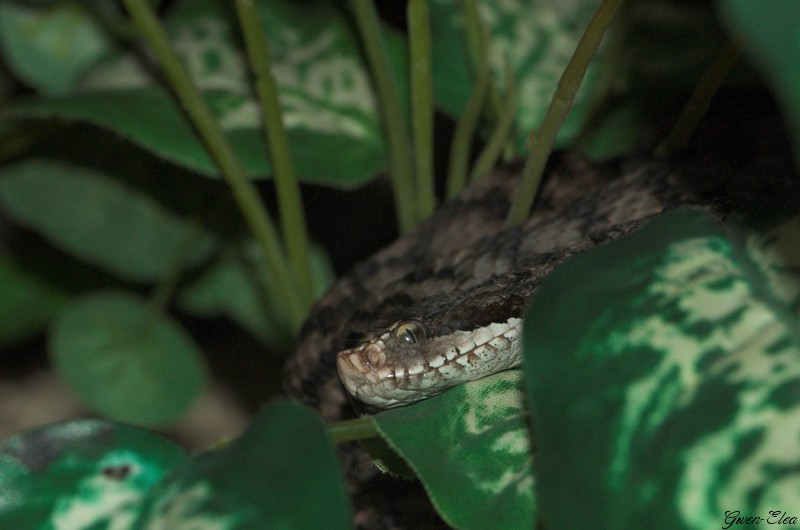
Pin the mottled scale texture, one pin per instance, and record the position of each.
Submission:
(463, 251)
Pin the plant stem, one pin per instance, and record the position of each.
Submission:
(698, 103)
(290, 204)
(608, 73)
(165, 288)
(541, 143)
(502, 131)
(245, 194)
(419, 44)
(478, 45)
(400, 170)
(355, 429)
(465, 130)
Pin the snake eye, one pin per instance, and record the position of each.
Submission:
(409, 332)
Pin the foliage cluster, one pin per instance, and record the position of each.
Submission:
(696, 360)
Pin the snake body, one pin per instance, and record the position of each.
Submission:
(741, 161)
(442, 304)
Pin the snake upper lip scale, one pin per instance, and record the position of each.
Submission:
(463, 270)
(403, 365)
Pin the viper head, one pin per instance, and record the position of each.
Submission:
(409, 362)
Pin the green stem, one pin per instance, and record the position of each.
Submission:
(477, 40)
(290, 204)
(478, 46)
(465, 130)
(245, 194)
(608, 73)
(165, 288)
(541, 144)
(419, 44)
(502, 131)
(356, 429)
(400, 169)
(698, 103)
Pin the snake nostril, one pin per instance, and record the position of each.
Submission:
(374, 357)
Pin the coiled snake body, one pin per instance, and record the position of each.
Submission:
(442, 305)
(419, 301)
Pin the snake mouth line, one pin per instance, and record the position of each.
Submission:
(385, 373)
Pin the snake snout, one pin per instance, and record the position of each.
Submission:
(359, 367)
(364, 359)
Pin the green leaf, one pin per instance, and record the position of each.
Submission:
(81, 475)
(326, 95)
(674, 398)
(91, 474)
(232, 286)
(769, 31)
(126, 360)
(615, 134)
(51, 47)
(27, 302)
(471, 449)
(777, 257)
(95, 218)
(538, 38)
(282, 473)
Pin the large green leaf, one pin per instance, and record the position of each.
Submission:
(96, 218)
(126, 360)
(326, 95)
(282, 473)
(470, 448)
(663, 371)
(536, 36)
(51, 48)
(80, 475)
(769, 30)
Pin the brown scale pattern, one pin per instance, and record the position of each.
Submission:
(463, 249)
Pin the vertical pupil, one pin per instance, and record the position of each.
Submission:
(409, 336)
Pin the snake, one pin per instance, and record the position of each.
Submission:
(443, 304)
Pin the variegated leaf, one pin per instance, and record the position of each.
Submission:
(470, 447)
(674, 399)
